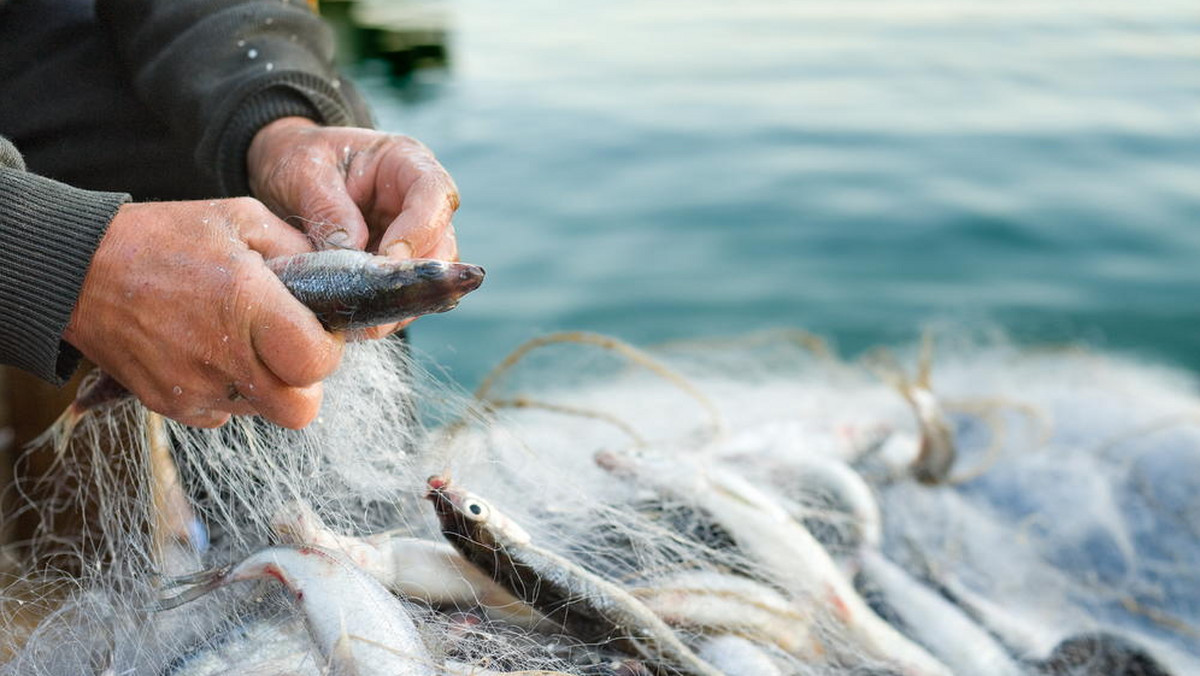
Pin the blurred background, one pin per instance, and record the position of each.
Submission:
(663, 169)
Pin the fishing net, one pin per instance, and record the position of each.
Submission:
(730, 486)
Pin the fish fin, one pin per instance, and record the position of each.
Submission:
(169, 602)
(925, 360)
(341, 657)
(198, 578)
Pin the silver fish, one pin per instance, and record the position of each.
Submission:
(708, 602)
(433, 572)
(356, 624)
(768, 535)
(937, 623)
(586, 605)
(350, 289)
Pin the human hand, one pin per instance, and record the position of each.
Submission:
(180, 308)
(358, 188)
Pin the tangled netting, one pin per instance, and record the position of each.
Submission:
(780, 511)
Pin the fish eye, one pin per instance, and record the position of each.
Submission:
(476, 510)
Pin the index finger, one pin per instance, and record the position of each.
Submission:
(424, 219)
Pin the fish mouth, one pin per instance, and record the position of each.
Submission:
(440, 492)
(469, 277)
(615, 463)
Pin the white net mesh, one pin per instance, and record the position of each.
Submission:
(1062, 540)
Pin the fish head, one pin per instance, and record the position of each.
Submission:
(429, 286)
(621, 465)
(463, 514)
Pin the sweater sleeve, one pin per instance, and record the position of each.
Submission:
(217, 71)
(48, 234)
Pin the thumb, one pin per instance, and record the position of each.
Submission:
(265, 233)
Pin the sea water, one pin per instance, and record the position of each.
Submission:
(658, 169)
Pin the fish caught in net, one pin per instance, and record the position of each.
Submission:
(750, 506)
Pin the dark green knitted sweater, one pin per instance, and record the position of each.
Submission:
(215, 71)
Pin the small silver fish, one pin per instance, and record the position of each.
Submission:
(433, 572)
(357, 625)
(935, 622)
(586, 605)
(350, 289)
(713, 603)
(768, 535)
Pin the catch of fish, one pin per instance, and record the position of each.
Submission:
(731, 551)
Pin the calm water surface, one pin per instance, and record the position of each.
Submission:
(660, 169)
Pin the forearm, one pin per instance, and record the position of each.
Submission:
(219, 70)
(48, 234)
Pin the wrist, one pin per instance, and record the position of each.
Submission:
(84, 318)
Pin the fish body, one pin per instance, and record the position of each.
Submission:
(433, 572)
(768, 535)
(737, 656)
(586, 605)
(1100, 653)
(357, 625)
(715, 603)
(848, 514)
(1022, 636)
(350, 289)
(256, 647)
(963, 645)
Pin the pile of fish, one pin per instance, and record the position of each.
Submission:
(752, 508)
(786, 572)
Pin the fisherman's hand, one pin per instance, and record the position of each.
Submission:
(180, 308)
(358, 188)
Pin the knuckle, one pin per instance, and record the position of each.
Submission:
(245, 208)
(405, 141)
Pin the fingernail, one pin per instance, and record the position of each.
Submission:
(338, 238)
(400, 249)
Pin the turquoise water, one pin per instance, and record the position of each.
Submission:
(660, 169)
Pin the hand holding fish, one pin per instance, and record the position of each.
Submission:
(179, 307)
(356, 188)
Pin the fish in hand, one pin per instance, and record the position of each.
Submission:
(350, 289)
(345, 289)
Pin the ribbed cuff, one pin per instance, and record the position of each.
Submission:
(288, 94)
(48, 234)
